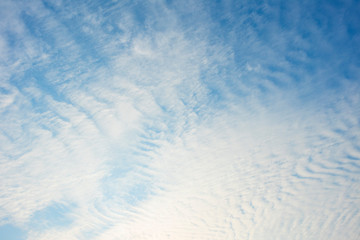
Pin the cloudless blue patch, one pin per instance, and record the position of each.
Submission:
(10, 232)
(36, 76)
(214, 94)
(138, 193)
(140, 14)
(53, 216)
(134, 194)
(4, 91)
(37, 29)
(12, 39)
(50, 6)
(352, 158)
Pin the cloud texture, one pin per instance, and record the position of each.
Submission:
(179, 120)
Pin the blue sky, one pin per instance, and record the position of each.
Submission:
(179, 120)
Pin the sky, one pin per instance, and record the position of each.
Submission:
(169, 119)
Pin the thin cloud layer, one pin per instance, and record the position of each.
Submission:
(179, 120)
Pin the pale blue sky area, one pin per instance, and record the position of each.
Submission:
(11, 232)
